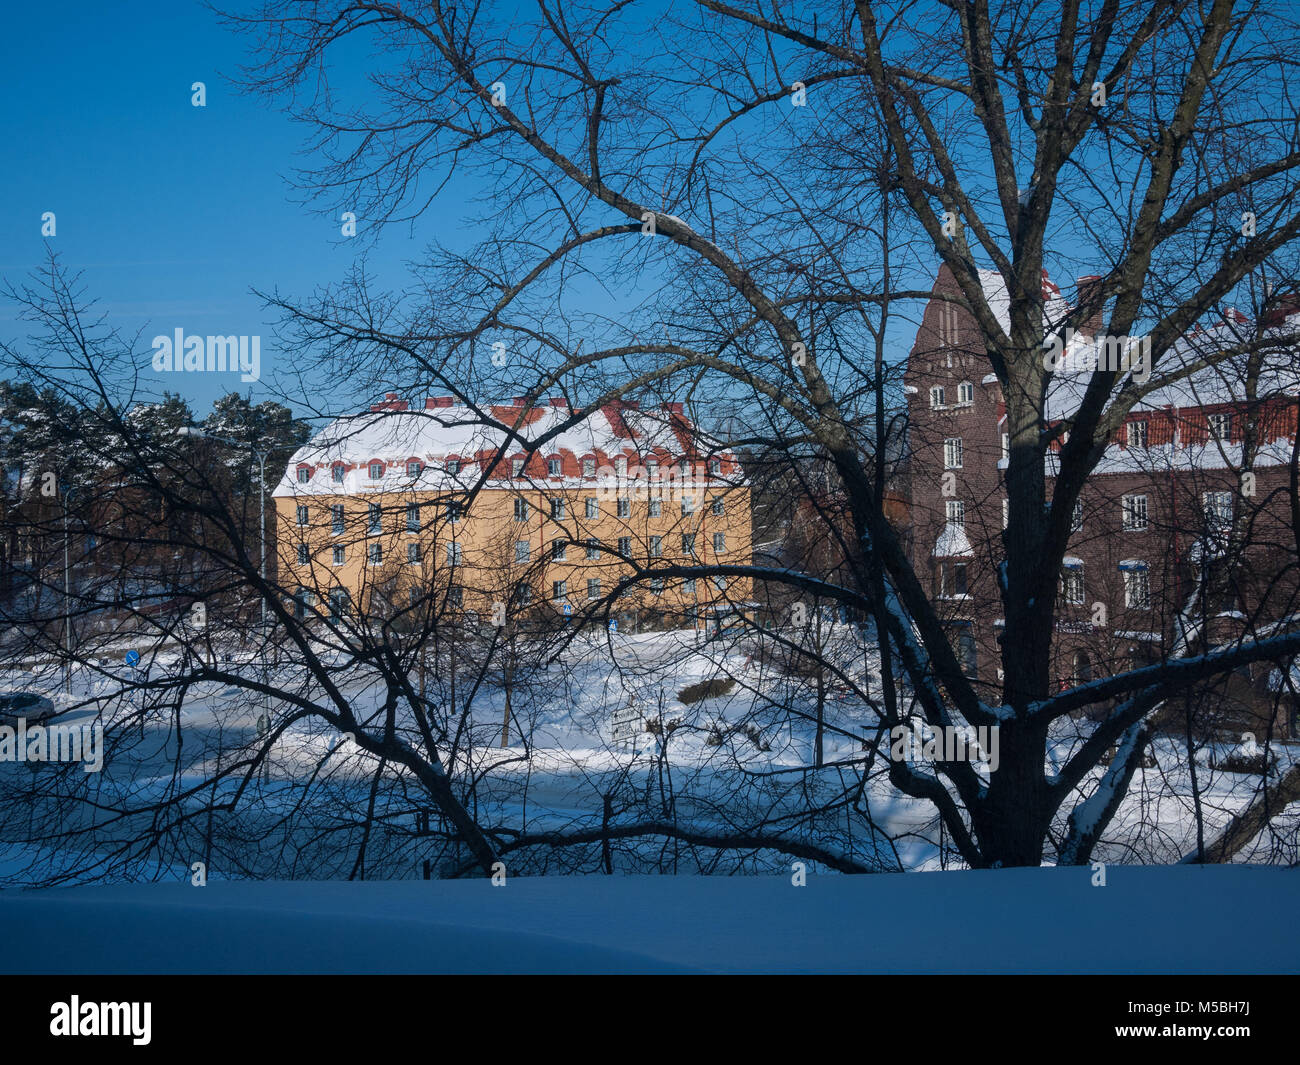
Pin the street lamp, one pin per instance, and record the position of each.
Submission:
(259, 453)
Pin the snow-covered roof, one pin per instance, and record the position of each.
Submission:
(431, 436)
(953, 542)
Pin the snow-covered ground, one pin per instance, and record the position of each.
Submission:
(1218, 919)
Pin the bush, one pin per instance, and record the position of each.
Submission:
(706, 689)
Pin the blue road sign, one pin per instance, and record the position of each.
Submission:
(133, 658)
(613, 624)
(568, 609)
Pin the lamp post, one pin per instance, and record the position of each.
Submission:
(259, 453)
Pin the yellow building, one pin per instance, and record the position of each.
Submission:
(441, 508)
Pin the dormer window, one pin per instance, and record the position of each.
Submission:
(304, 474)
(715, 467)
(937, 397)
(965, 393)
(376, 471)
(453, 466)
(588, 468)
(337, 472)
(652, 468)
(620, 465)
(414, 468)
(553, 466)
(516, 467)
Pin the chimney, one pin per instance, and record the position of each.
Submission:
(519, 401)
(1089, 288)
(559, 401)
(673, 408)
(434, 402)
(1281, 305)
(392, 401)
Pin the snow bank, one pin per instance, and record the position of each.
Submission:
(1145, 920)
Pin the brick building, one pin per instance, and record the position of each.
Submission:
(382, 509)
(1184, 528)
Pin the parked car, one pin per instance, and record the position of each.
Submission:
(29, 706)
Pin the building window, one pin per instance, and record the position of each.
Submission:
(523, 594)
(688, 586)
(336, 518)
(1006, 513)
(338, 555)
(1137, 585)
(412, 517)
(688, 544)
(657, 585)
(1218, 511)
(553, 466)
(620, 466)
(374, 521)
(456, 595)
(455, 554)
(965, 393)
(376, 471)
(719, 543)
(936, 397)
(952, 579)
(1076, 518)
(516, 468)
(625, 546)
(557, 509)
(1220, 427)
(1136, 433)
(624, 508)
(592, 507)
(952, 453)
(557, 550)
(338, 604)
(966, 652)
(1135, 513)
(720, 583)
(521, 510)
(593, 548)
(414, 468)
(302, 515)
(715, 467)
(521, 550)
(453, 466)
(559, 589)
(1072, 583)
(304, 556)
(717, 506)
(336, 472)
(688, 505)
(304, 474)
(685, 466)
(656, 508)
(589, 468)
(651, 468)
(656, 546)
(1082, 667)
(413, 553)
(455, 510)
(376, 554)
(955, 512)
(593, 587)
(1006, 447)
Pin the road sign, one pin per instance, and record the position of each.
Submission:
(568, 609)
(613, 624)
(133, 658)
(625, 724)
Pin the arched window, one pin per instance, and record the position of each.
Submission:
(1082, 667)
(965, 392)
(304, 474)
(936, 397)
(376, 471)
(337, 471)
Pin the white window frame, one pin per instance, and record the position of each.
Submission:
(1135, 513)
(952, 453)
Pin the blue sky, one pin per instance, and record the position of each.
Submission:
(172, 211)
